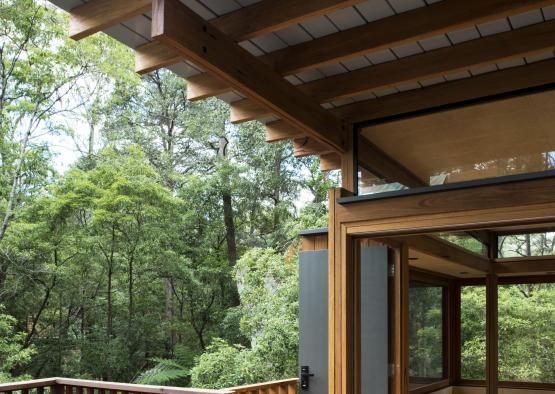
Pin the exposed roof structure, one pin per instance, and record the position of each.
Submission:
(310, 69)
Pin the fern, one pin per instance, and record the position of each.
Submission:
(165, 371)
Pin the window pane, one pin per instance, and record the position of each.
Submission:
(426, 333)
(521, 245)
(473, 332)
(527, 333)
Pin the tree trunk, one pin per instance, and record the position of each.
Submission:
(228, 211)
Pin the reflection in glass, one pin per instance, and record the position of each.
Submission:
(426, 334)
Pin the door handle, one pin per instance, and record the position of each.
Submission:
(305, 377)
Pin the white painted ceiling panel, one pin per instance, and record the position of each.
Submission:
(332, 69)
(458, 75)
(526, 19)
(435, 43)
(293, 35)
(407, 50)
(386, 92)
(184, 69)
(539, 57)
(126, 36)
(549, 12)
(432, 81)
(373, 10)
(463, 35)
(269, 42)
(406, 5)
(494, 27)
(483, 69)
(220, 7)
(381, 57)
(346, 18)
(511, 63)
(310, 75)
(253, 49)
(199, 8)
(356, 63)
(319, 26)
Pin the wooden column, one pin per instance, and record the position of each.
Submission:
(349, 165)
(401, 318)
(491, 334)
(340, 301)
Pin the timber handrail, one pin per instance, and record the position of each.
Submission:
(286, 386)
(67, 386)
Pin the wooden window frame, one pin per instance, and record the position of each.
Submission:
(446, 283)
(507, 280)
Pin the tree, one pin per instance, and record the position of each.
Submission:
(13, 355)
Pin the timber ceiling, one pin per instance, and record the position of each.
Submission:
(348, 60)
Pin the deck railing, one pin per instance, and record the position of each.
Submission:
(288, 386)
(79, 386)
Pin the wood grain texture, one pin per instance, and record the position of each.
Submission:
(380, 164)
(524, 265)
(438, 247)
(281, 130)
(202, 86)
(492, 49)
(306, 146)
(245, 110)
(97, 15)
(512, 79)
(330, 162)
(404, 28)
(177, 26)
(153, 56)
(492, 334)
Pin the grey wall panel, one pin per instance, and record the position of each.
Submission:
(313, 317)
(374, 320)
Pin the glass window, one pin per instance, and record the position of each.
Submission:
(473, 332)
(426, 333)
(527, 333)
(523, 245)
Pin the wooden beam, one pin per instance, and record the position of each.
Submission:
(280, 130)
(383, 166)
(438, 247)
(175, 25)
(524, 265)
(245, 110)
(404, 28)
(153, 56)
(457, 58)
(498, 82)
(202, 86)
(270, 15)
(330, 162)
(308, 147)
(97, 15)
(492, 334)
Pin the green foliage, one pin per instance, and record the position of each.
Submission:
(13, 355)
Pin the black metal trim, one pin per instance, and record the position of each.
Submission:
(461, 104)
(448, 187)
(314, 231)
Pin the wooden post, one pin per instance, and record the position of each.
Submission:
(492, 353)
(349, 165)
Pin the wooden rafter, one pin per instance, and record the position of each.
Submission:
(437, 247)
(203, 86)
(499, 82)
(177, 26)
(269, 15)
(330, 162)
(457, 58)
(153, 56)
(280, 130)
(524, 265)
(407, 27)
(306, 146)
(245, 110)
(97, 15)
